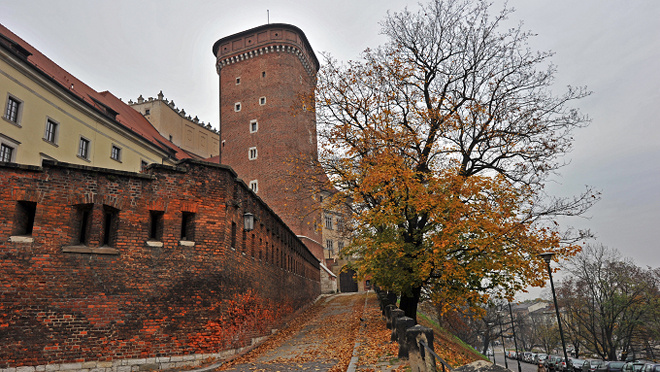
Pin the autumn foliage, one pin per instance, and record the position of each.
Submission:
(440, 143)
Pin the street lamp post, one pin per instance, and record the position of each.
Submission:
(548, 257)
(506, 364)
(515, 341)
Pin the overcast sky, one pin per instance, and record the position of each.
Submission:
(612, 47)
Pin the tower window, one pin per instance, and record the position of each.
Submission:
(238, 80)
(262, 101)
(254, 186)
(147, 112)
(237, 106)
(233, 235)
(252, 153)
(263, 74)
(254, 126)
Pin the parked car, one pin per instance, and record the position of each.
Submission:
(577, 364)
(540, 358)
(526, 356)
(611, 366)
(651, 367)
(634, 366)
(590, 365)
(552, 361)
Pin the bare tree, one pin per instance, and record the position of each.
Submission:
(606, 298)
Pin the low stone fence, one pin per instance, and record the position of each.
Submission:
(415, 341)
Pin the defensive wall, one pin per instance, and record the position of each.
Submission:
(99, 266)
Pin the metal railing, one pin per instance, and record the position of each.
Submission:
(445, 366)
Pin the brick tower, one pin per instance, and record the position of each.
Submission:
(263, 136)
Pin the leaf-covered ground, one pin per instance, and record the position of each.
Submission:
(321, 339)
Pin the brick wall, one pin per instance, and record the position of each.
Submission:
(88, 284)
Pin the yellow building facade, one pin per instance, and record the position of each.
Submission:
(49, 114)
(196, 138)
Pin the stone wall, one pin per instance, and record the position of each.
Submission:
(126, 266)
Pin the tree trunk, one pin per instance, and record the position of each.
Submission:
(409, 303)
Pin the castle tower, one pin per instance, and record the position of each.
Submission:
(264, 136)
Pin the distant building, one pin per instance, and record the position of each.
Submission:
(197, 139)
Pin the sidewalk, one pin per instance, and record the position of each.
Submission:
(324, 337)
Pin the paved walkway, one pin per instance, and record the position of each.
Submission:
(320, 340)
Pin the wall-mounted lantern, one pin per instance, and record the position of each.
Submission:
(248, 222)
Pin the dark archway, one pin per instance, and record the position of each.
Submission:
(347, 282)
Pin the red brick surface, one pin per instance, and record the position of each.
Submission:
(143, 301)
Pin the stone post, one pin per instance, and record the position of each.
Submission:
(402, 324)
(388, 309)
(394, 315)
(420, 360)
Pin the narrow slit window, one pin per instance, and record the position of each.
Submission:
(233, 234)
(262, 101)
(155, 225)
(238, 81)
(24, 222)
(187, 226)
(237, 106)
(110, 224)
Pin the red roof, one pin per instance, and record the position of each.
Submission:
(102, 101)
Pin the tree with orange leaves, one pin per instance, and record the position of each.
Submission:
(440, 142)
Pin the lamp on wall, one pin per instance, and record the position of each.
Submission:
(248, 221)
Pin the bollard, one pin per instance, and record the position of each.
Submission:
(388, 309)
(402, 324)
(420, 360)
(394, 315)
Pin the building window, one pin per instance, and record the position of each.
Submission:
(83, 148)
(143, 165)
(263, 74)
(147, 111)
(340, 224)
(340, 246)
(254, 185)
(252, 153)
(155, 225)
(6, 153)
(24, 221)
(329, 245)
(254, 126)
(238, 81)
(115, 153)
(187, 226)
(13, 110)
(262, 101)
(237, 106)
(170, 138)
(328, 222)
(51, 131)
